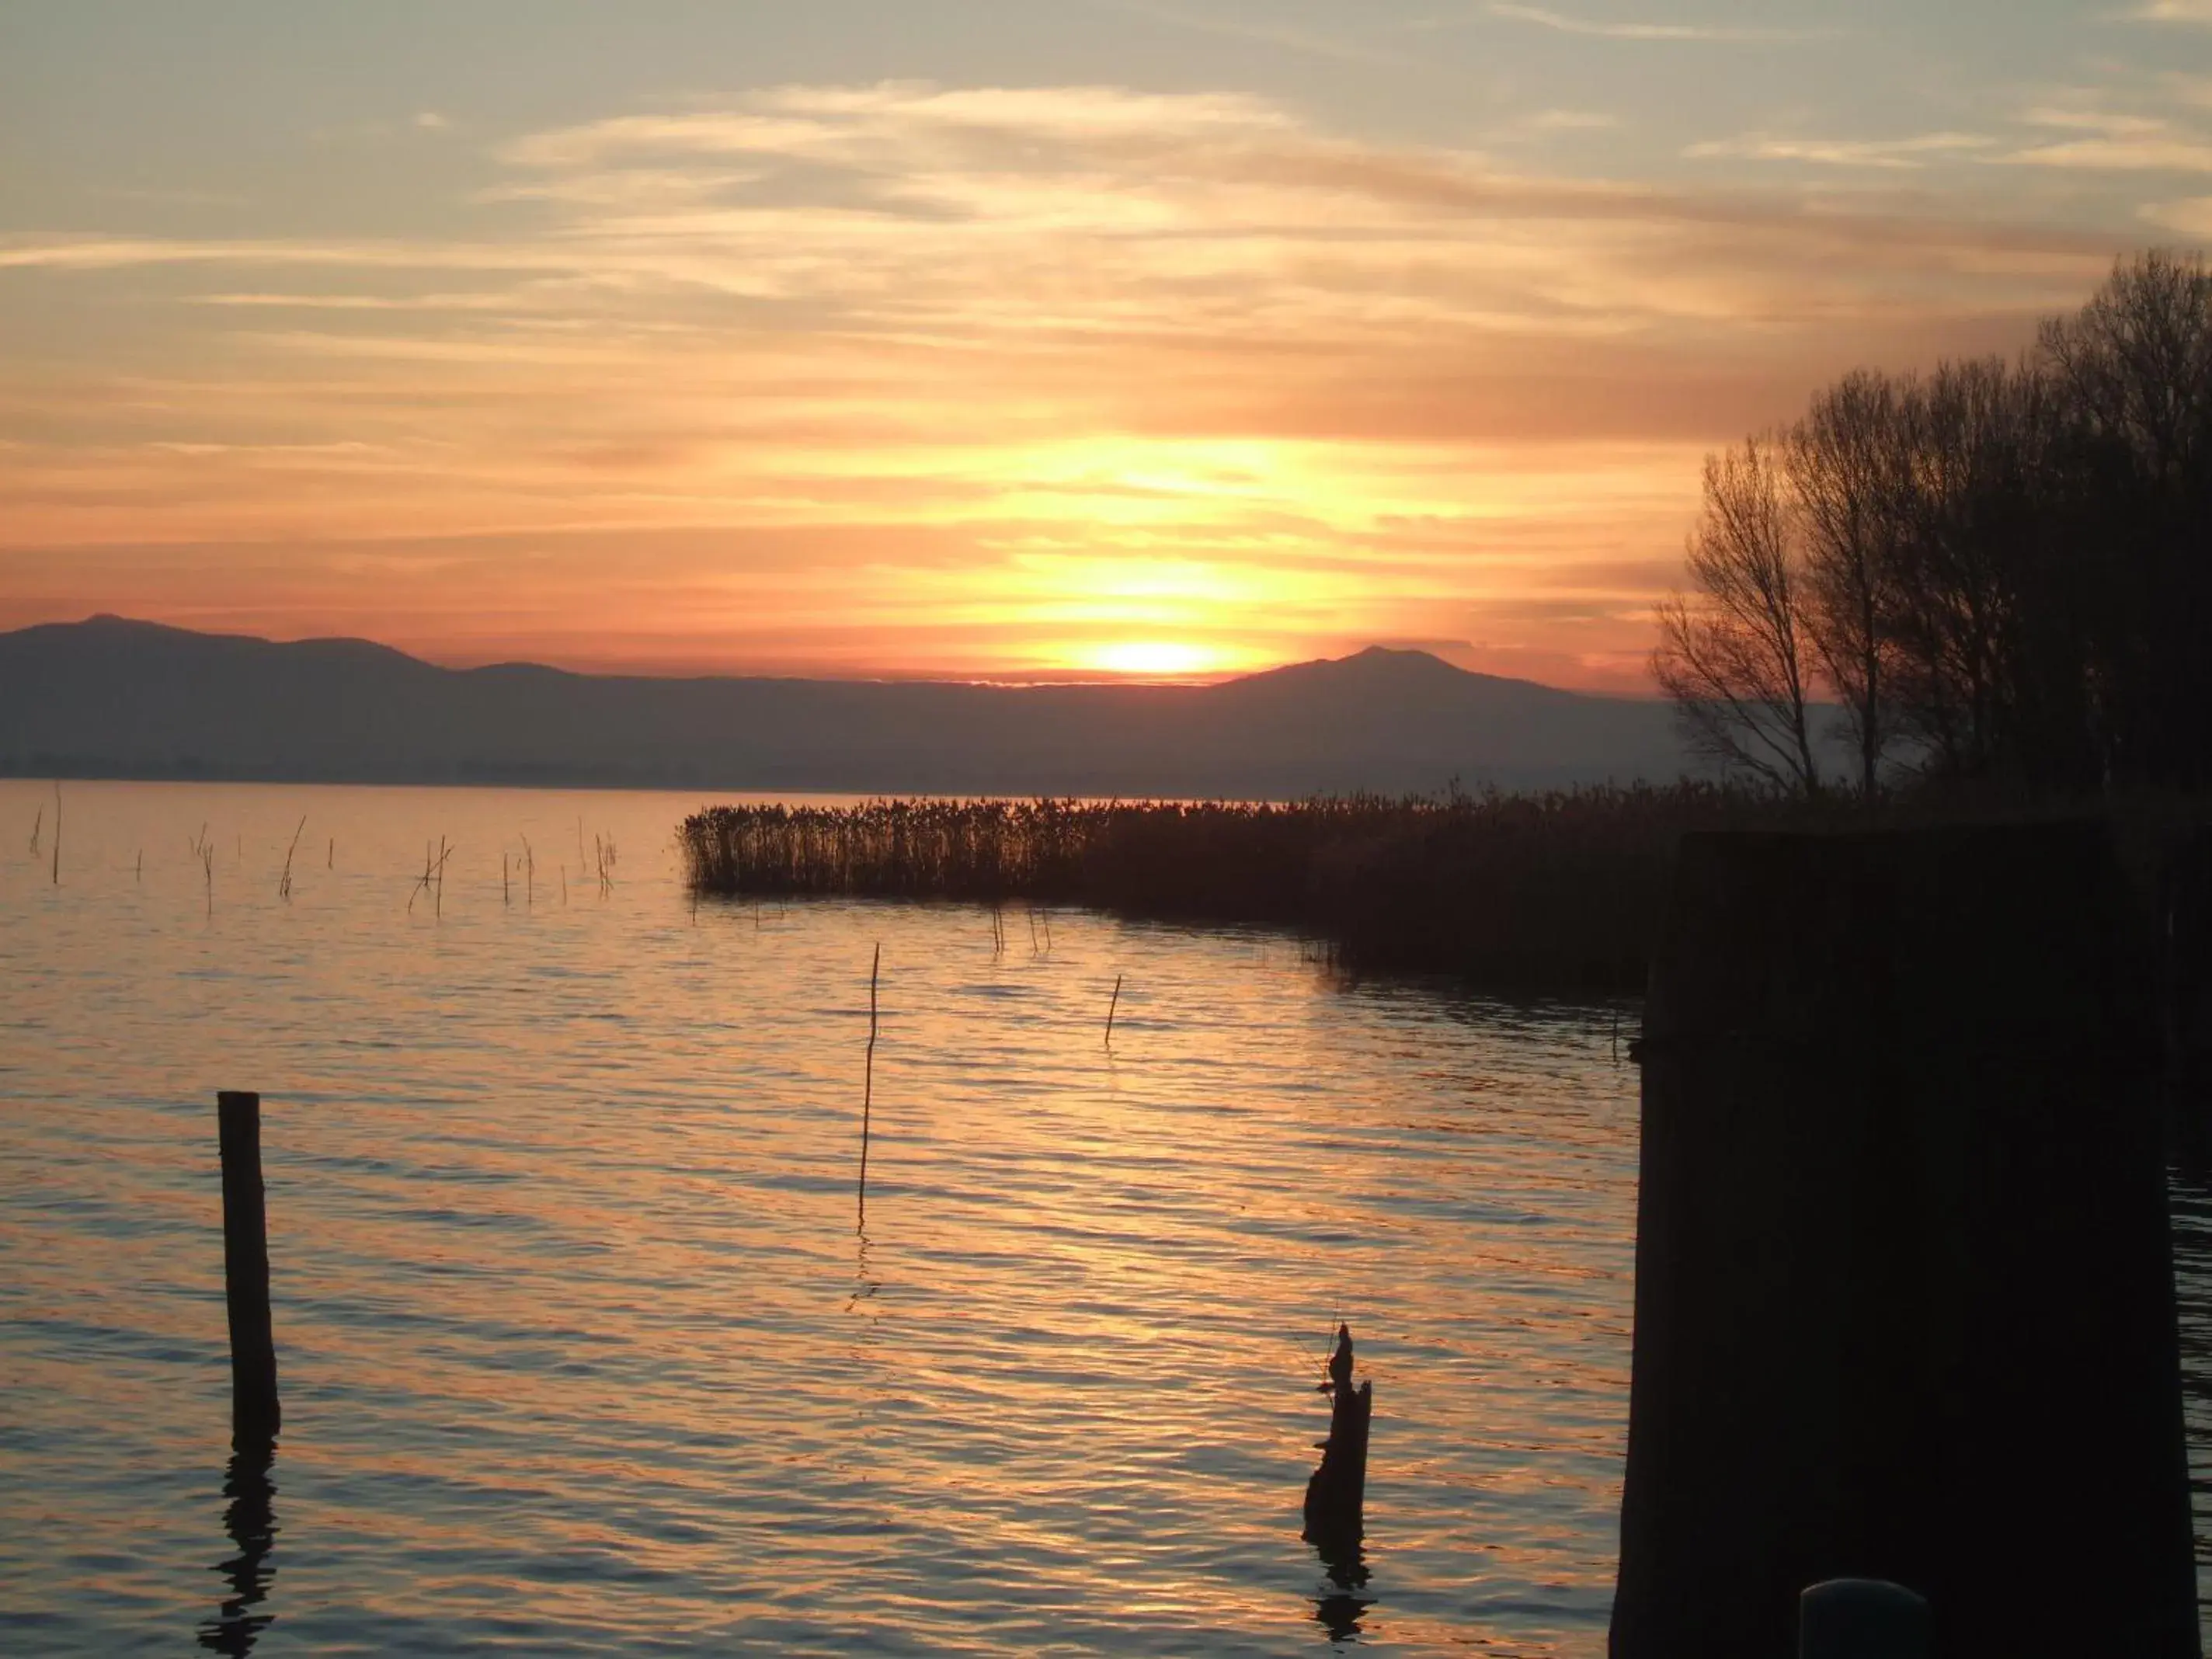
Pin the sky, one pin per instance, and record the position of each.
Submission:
(1018, 339)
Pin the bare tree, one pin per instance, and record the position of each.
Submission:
(1970, 590)
(1848, 465)
(1735, 654)
(2137, 359)
(2135, 366)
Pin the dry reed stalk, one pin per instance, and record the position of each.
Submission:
(433, 878)
(1110, 1008)
(38, 828)
(868, 1085)
(284, 881)
(203, 850)
(57, 832)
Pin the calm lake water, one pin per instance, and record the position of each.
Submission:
(581, 1352)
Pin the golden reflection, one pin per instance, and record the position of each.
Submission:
(536, 1268)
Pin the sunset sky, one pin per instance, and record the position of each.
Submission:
(1023, 339)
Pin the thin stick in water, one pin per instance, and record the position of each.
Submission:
(284, 881)
(57, 832)
(868, 1084)
(1110, 1008)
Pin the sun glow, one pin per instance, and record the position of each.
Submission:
(1159, 660)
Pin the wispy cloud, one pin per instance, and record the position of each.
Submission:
(2112, 142)
(1896, 154)
(991, 346)
(1611, 29)
(2174, 11)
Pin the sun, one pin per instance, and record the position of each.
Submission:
(1155, 658)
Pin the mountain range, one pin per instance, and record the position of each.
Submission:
(111, 697)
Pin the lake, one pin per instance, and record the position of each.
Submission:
(582, 1352)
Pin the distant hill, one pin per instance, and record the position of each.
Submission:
(115, 698)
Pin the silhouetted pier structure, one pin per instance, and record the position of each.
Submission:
(1905, 1298)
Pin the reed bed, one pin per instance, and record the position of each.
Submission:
(1559, 891)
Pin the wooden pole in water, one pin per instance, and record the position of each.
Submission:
(254, 1417)
(1336, 1493)
(1110, 1007)
(868, 1084)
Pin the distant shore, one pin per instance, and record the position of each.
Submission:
(1558, 892)
(1553, 892)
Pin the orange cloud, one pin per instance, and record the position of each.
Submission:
(903, 378)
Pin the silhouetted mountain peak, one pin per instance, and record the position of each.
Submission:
(1393, 673)
(110, 696)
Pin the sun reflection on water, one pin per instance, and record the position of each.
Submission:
(581, 1352)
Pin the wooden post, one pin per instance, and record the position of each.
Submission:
(254, 1416)
(1904, 1284)
(1336, 1493)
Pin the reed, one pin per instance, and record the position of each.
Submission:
(58, 833)
(1557, 891)
(432, 882)
(284, 881)
(203, 850)
(868, 1087)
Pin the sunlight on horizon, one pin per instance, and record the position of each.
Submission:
(946, 352)
(1159, 660)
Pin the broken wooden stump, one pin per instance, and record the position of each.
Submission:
(1336, 1493)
